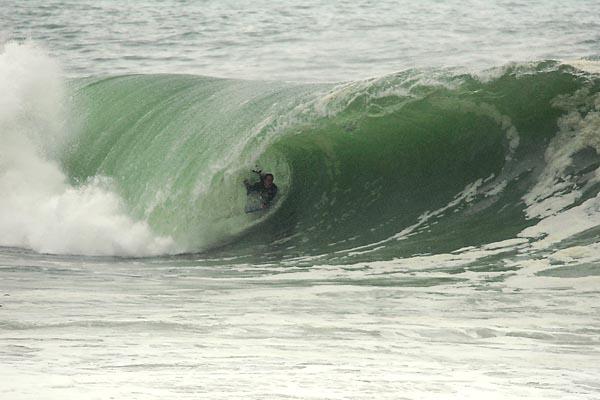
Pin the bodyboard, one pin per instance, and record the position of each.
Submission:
(254, 203)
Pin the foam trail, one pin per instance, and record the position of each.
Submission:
(38, 208)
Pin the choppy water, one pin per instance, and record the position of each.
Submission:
(312, 41)
(436, 232)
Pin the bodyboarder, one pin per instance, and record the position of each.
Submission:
(264, 188)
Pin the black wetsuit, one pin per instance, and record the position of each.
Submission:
(267, 195)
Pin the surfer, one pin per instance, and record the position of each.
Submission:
(265, 188)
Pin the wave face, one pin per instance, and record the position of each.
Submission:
(415, 162)
(409, 163)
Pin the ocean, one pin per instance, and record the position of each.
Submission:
(435, 233)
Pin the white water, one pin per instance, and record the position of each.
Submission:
(39, 209)
(407, 328)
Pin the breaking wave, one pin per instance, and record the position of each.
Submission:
(421, 161)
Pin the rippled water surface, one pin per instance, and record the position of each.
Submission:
(308, 41)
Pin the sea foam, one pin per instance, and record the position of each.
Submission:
(39, 209)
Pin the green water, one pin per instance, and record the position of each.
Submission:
(356, 164)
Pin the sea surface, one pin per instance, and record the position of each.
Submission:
(436, 233)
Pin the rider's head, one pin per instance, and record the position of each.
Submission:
(268, 180)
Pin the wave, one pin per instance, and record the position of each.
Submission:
(420, 161)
